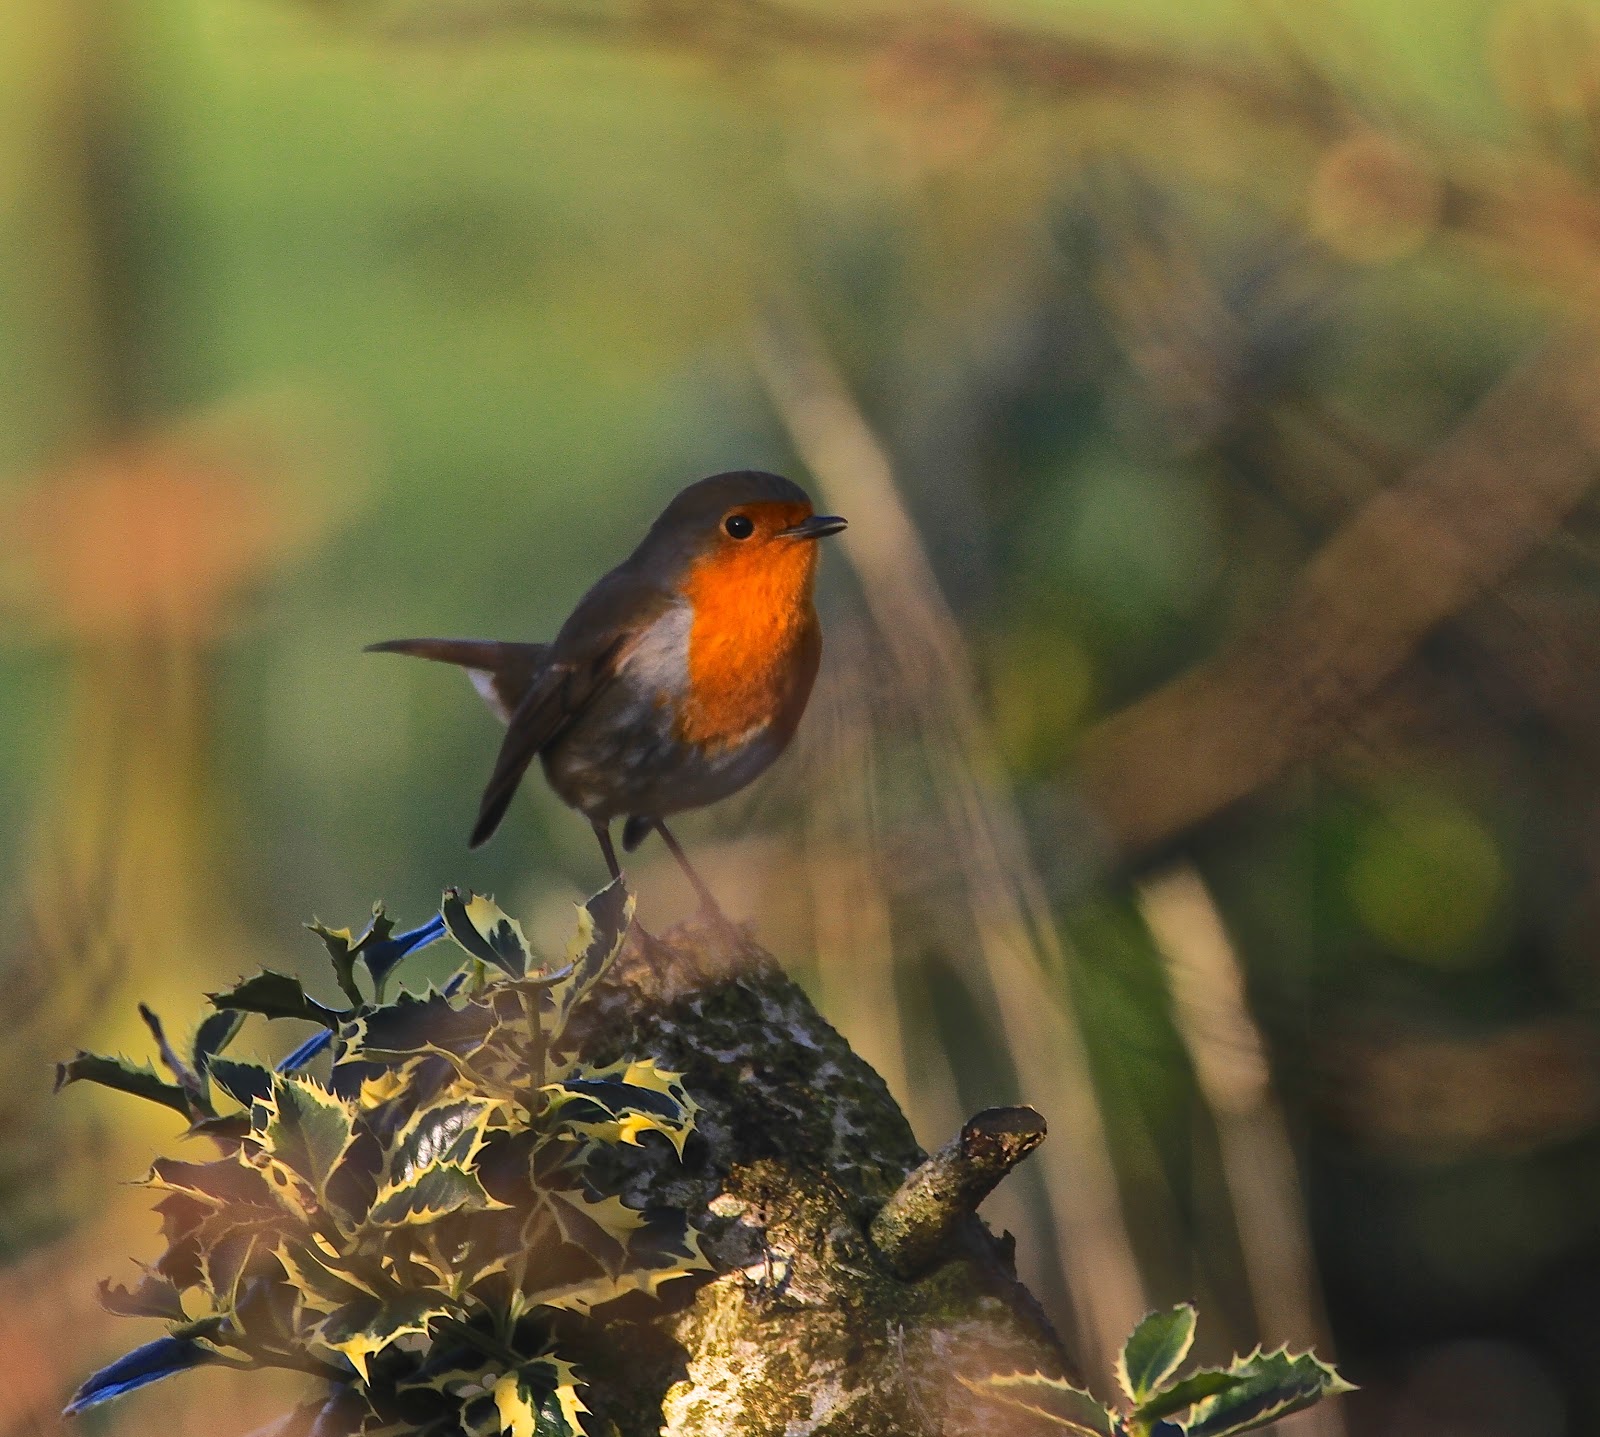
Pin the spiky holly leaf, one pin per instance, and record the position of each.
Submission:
(212, 1037)
(427, 1195)
(1053, 1399)
(1155, 1350)
(125, 1076)
(486, 931)
(602, 927)
(540, 1399)
(664, 1248)
(245, 1083)
(1271, 1385)
(452, 1132)
(226, 1182)
(409, 1025)
(154, 1296)
(321, 1283)
(381, 955)
(276, 995)
(363, 1328)
(341, 953)
(234, 1246)
(619, 1102)
(305, 1127)
(1192, 1389)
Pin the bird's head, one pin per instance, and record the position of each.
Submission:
(741, 526)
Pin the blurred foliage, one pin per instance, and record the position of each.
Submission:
(324, 322)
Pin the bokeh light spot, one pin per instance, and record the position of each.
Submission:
(1426, 877)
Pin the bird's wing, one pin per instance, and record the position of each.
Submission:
(585, 657)
(502, 673)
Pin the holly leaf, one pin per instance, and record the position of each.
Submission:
(319, 1286)
(381, 955)
(540, 1399)
(245, 1083)
(155, 1296)
(169, 1059)
(1052, 1399)
(1155, 1350)
(215, 1032)
(451, 1133)
(427, 1195)
(305, 1127)
(219, 1184)
(619, 1102)
(276, 995)
(488, 933)
(341, 953)
(1270, 1385)
(125, 1076)
(363, 1328)
(1194, 1388)
(602, 926)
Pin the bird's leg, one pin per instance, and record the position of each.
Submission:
(602, 831)
(708, 904)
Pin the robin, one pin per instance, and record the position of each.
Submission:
(678, 679)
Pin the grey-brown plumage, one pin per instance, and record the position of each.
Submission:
(603, 705)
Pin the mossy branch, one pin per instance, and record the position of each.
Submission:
(920, 1224)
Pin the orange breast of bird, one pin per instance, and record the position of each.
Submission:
(753, 640)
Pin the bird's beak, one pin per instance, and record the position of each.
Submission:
(818, 526)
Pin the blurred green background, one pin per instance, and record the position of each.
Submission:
(1210, 707)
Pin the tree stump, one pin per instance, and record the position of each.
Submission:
(817, 1319)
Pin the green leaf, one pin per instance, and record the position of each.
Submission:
(1053, 1399)
(412, 1024)
(540, 1399)
(664, 1248)
(215, 1032)
(276, 995)
(1194, 1388)
(1271, 1385)
(428, 1195)
(155, 1296)
(235, 1245)
(490, 935)
(602, 926)
(319, 1285)
(448, 1133)
(245, 1083)
(305, 1127)
(342, 953)
(362, 1329)
(617, 1103)
(1155, 1351)
(125, 1076)
(222, 1183)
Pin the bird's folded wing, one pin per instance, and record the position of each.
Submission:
(591, 647)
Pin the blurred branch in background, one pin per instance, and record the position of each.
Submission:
(1235, 1083)
(1411, 558)
(1023, 953)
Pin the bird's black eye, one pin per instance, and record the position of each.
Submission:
(739, 526)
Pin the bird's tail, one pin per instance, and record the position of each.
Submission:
(502, 673)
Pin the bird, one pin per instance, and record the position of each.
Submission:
(678, 679)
